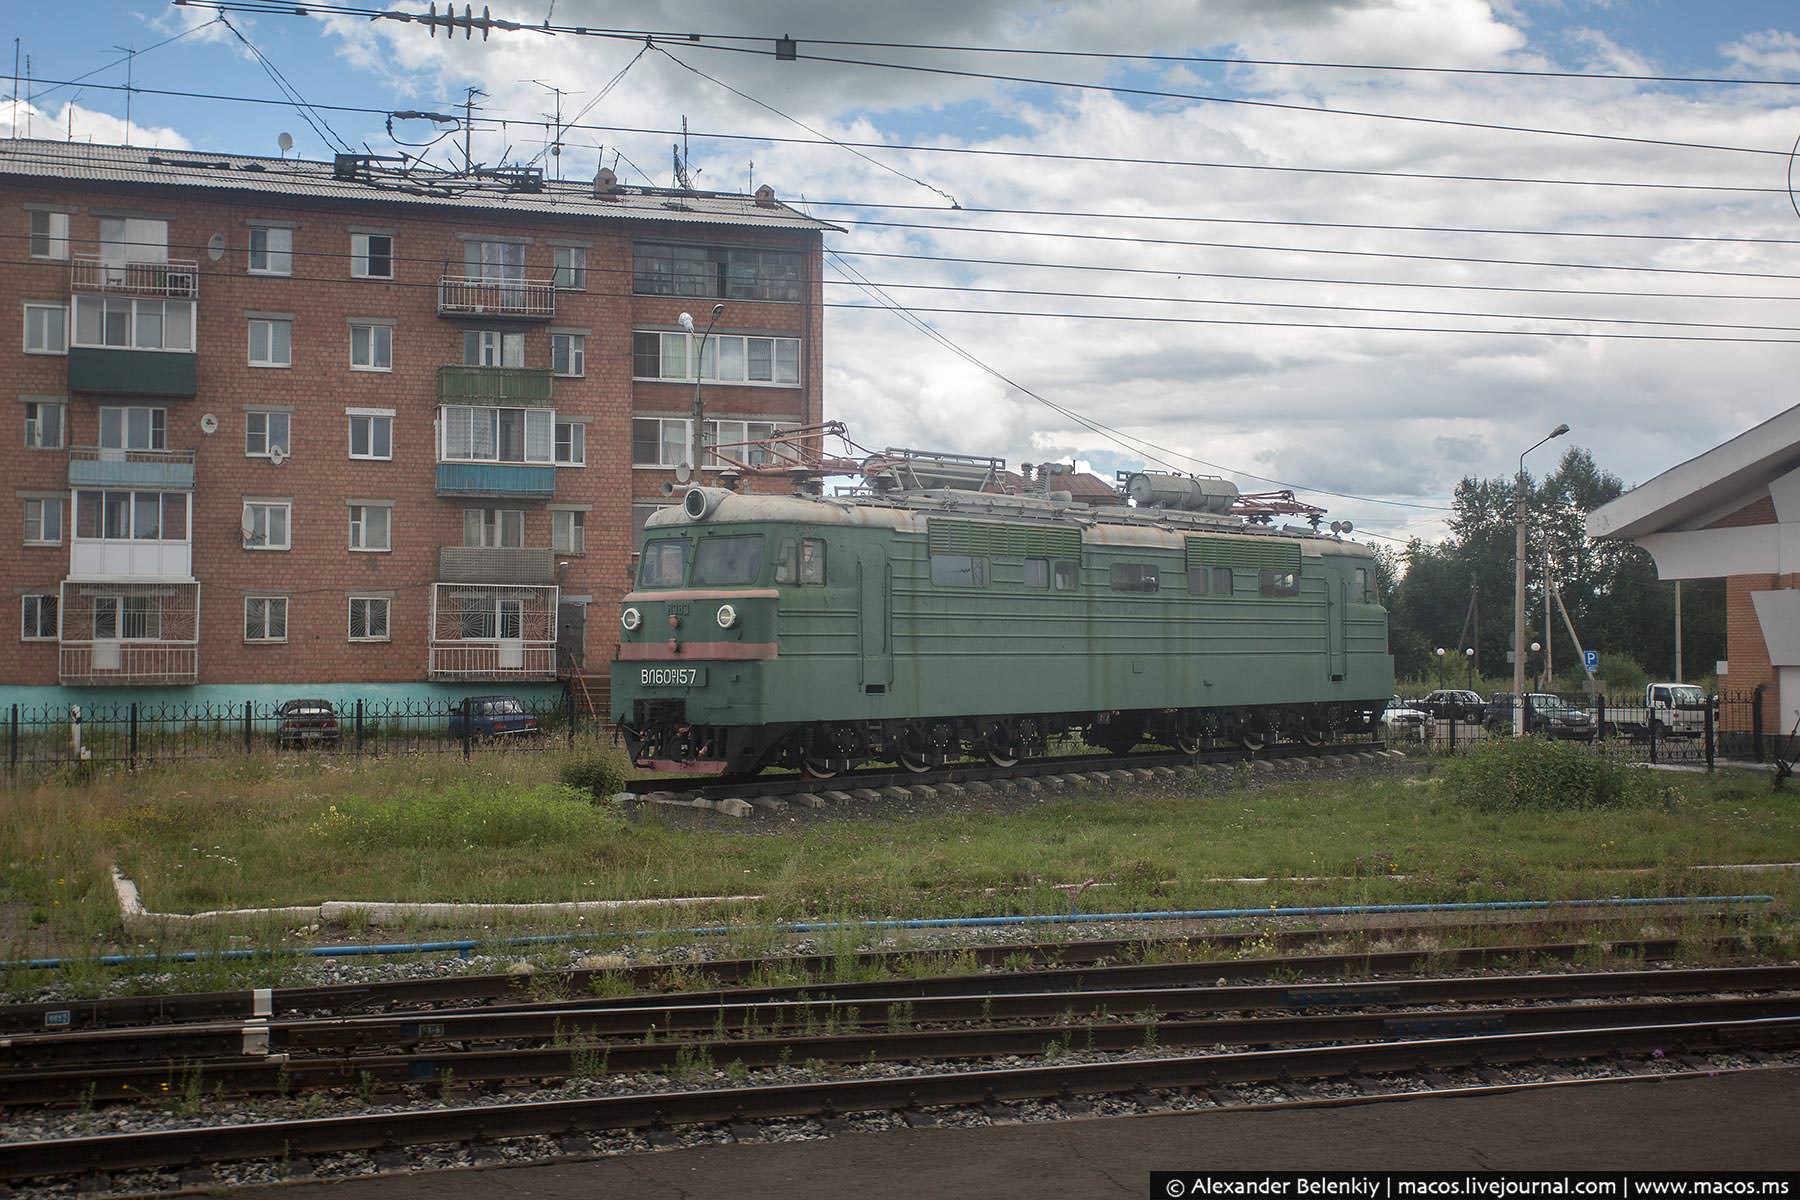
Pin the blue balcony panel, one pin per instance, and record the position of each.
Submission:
(516, 480)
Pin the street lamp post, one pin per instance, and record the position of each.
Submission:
(696, 450)
(1518, 721)
(1440, 658)
(1469, 658)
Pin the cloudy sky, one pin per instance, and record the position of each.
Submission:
(1361, 247)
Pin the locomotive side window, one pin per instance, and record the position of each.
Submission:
(1278, 583)
(1068, 575)
(1134, 577)
(664, 563)
(1037, 572)
(959, 570)
(1209, 581)
(784, 565)
(1364, 586)
(728, 560)
(812, 562)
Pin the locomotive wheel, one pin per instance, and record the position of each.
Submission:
(1189, 741)
(912, 760)
(1001, 754)
(815, 767)
(1312, 735)
(1253, 737)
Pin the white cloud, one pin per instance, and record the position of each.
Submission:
(75, 122)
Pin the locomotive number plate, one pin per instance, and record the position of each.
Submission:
(672, 677)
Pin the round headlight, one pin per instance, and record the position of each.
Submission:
(727, 616)
(631, 618)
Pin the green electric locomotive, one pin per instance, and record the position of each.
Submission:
(921, 626)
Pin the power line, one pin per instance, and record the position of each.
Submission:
(1037, 155)
(319, 125)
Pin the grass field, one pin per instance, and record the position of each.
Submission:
(303, 829)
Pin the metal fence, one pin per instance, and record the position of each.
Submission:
(1732, 726)
(138, 734)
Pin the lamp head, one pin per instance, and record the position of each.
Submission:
(687, 321)
(1440, 651)
(1559, 431)
(719, 311)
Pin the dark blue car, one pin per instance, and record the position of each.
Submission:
(491, 717)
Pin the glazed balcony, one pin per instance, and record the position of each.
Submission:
(512, 299)
(529, 386)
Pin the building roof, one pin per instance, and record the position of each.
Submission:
(1705, 488)
(358, 180)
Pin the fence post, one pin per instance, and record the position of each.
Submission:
(1650, 720)
(1453, 727)
(12, 742)
(359, 725)
(569, 709)
(1599, 716)
(131, 755)
(247, 706)
(468, 728)
(1756, 741)
(1709, 732)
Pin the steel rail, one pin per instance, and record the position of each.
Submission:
(875, 778)
(271, 1074)
(809, 1016)
(112, 1011)
(829, 1098)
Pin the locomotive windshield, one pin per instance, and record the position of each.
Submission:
(736, 559)
(664, 563)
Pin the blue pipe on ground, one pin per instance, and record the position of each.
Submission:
(463, 948)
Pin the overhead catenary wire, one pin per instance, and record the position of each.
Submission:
(317, 121)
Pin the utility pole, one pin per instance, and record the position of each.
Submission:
(1678, 678)
(1549, 584)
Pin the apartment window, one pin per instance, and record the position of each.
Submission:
(133, 240)
(716, 272)
(271, 342)
(134, 428)
(267, 524)
(131, 617)
(659, 442)
(46, 329)
(266, 434)
(493, 527)
(49, 234)
(271, 250)
(44, 520)
(38, 619)
(738, 440)
(726, 358)
(372, 255)
(134, 516)
(1209, 581)
(369, 618)
(483, 619)
(134, 323)
(371, 434)
(371, 346)
(1134, 577)
(568, 531)
(491, 348)
(494, 262)
(516, 435)
(44, 424)
(571, 268)
(265, 618)
(568, 354)
(1278, 583)
(371, 526)
(571, 443)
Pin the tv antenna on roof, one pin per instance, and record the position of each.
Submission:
(285, 141)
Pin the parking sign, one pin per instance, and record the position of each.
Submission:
(1591, 658)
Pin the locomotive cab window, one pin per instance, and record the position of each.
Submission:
(1037, 573)
(959, 570)
(1278, 583)
(1364, 586)
(1209, 581)
(1068, 575)
(663, 564)
(735, 559)
(1134, 577)
(802, 562)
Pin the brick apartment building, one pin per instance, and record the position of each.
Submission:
(300, 428)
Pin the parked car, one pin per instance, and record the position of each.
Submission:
(1546, 713)
(306, 723)
(491, 717)
(1668, 709)
(1402, 722)
(1460, 703)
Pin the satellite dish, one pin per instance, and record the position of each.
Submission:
(277, 456)
(215, 247)
(683, 472)
(209, 424)
(286, 142)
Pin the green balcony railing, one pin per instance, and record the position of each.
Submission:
(106, 371)
(529, 386)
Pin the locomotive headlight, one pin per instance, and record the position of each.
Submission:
(631, 618)
(727, 616)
